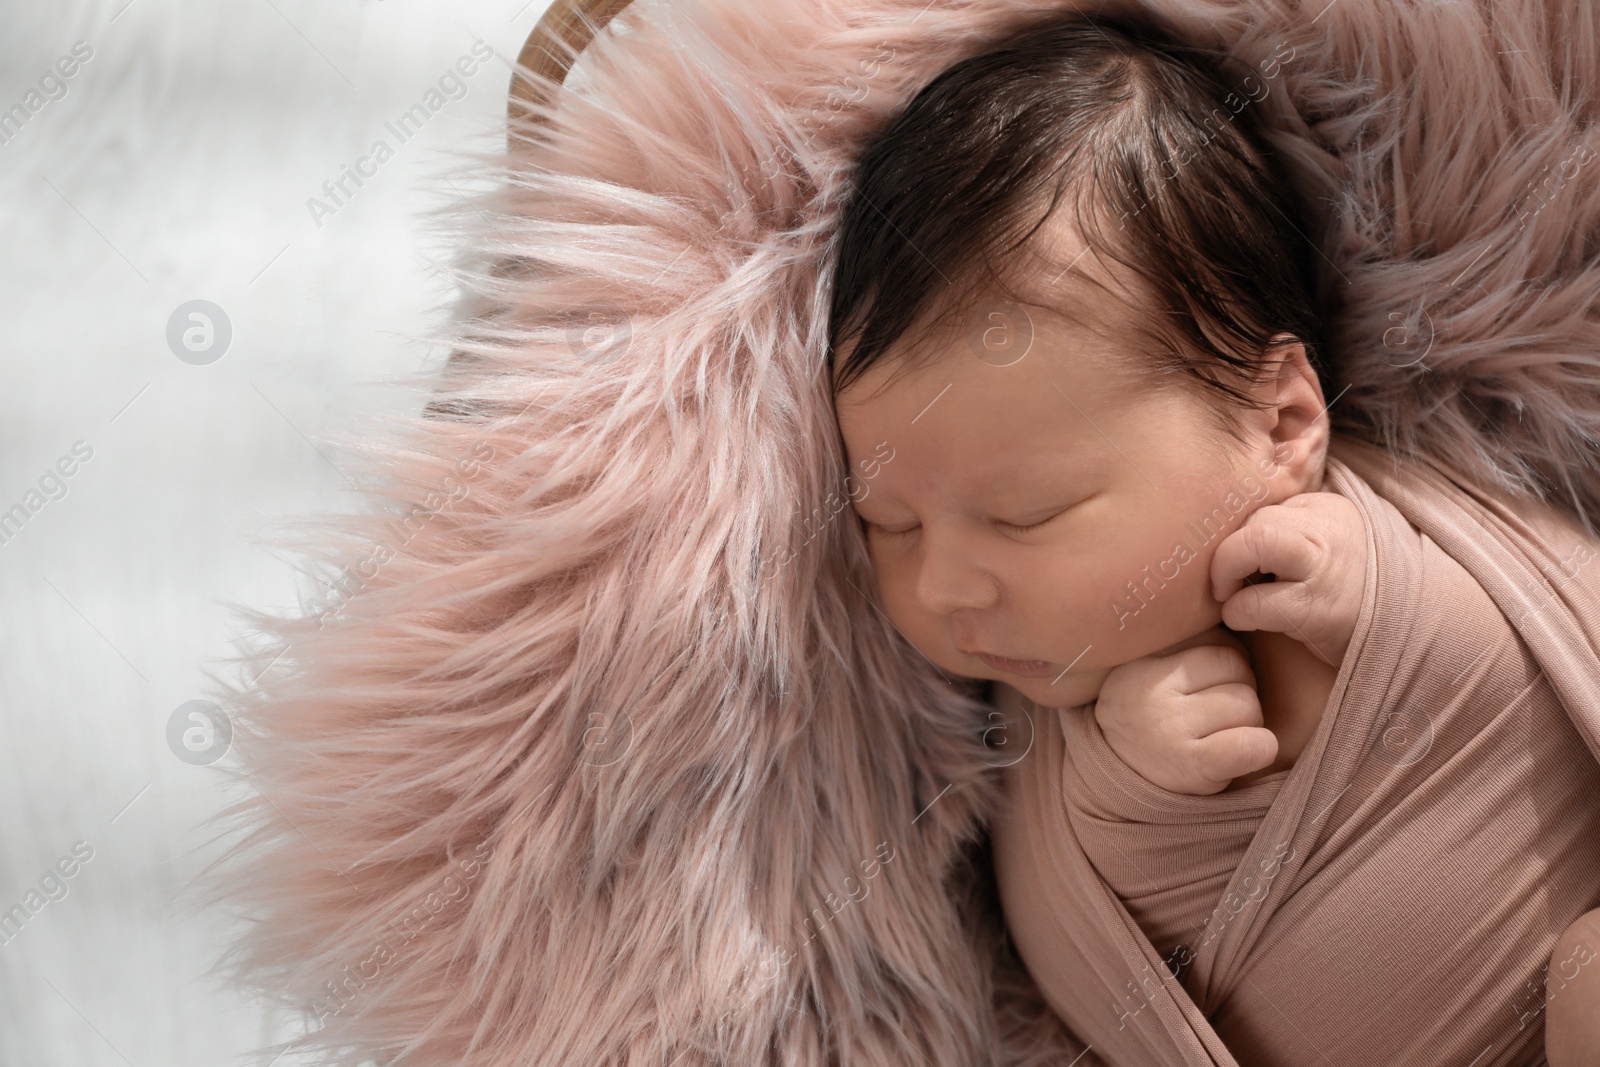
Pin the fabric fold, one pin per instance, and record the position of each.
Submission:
(1167, 856)
(1392, 897)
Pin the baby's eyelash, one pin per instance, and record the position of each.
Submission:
(902, 533)
(1030, 526)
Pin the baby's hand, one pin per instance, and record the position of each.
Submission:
(1187, 718)
(1572, 1022)
(1315, 546)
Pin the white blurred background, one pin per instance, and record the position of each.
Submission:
(175, 164)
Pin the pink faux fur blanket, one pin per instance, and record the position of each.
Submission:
(599, 754)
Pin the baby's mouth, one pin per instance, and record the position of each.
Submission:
(1026, 668)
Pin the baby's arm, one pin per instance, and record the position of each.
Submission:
(1188, 718)
(1572, 996)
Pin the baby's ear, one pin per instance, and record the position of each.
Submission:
(1297, 426)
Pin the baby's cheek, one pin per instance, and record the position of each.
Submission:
(896, 596)
(1121, 611)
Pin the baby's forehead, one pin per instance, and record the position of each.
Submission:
(1078, 250)
(1072, 310)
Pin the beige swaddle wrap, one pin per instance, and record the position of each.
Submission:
(1393, 897)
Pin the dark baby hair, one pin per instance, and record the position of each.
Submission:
(1172, 156)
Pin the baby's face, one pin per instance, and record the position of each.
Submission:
(1048, 510)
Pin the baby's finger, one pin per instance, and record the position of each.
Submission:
(1291, 608)
(1203, 667)
(1282, 606)
(1271, 541)
(1223, 707)
(1227, 754)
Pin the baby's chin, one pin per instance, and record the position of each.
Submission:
(1071, 690)
(1082, 686)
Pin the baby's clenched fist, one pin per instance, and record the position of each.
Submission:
(1187, 718)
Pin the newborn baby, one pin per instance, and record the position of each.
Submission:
(1079, 390)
